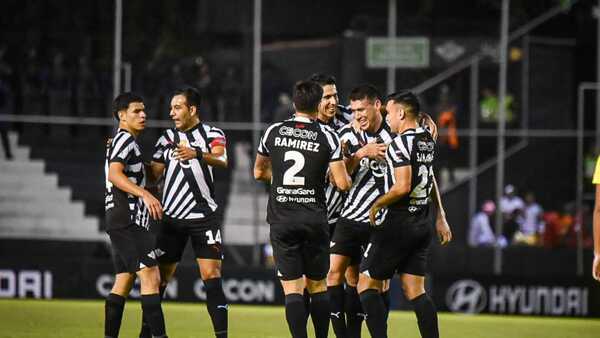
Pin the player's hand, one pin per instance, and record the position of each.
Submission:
(443, 230)
(596, 268)
(373, 216)
(374, 151)
(183, 153)
(153, 205)
(345, 147)
(109, 141)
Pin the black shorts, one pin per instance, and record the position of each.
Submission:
(400, 246)
(205, 235)
(350, 239)
(300, 249)
(133, 248)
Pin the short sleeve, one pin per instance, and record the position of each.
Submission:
(397, 154)
(263, 147)
(121, 148)
(216, 138)
(335, 147)
(160, 148)
(349, 137)
(596, 179)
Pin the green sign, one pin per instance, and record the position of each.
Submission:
(398, 52)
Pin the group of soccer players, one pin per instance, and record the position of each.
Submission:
(361, 179)
(183, 160)
(352, 202)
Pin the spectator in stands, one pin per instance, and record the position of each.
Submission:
(481, 232)
(230, 96)
(285, 109)
(532, 226)
(512, 207)
(206, 86)
(448, 138)
(5, 101)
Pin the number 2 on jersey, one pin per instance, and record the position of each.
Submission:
(289, 177)
(423, 189)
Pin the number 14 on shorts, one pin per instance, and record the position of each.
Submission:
(212, 239)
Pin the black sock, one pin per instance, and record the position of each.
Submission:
(426, 316)
(295, 314)
(216, 304)
(306, 296)
(319, 312)
(152, 311)
(386, 301)
(145, 329)
(375, 309)
(113, 314)
(336, 308)
(354, 312)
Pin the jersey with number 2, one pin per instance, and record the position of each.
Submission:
(300, 150)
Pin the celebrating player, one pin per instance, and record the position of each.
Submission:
(128, 207)
(403, 217)
(294, 156)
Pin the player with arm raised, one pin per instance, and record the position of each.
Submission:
(294, 156)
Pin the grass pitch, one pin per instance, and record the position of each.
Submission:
(84, 319)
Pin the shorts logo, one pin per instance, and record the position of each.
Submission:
(336, 314)
(331, 244)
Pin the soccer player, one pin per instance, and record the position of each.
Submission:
(596, 263)
(294, 156)
(366, 148)
(403, 217)
(128, 207)
(187, 155)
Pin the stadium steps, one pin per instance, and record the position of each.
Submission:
(32, 206)
(240, 215)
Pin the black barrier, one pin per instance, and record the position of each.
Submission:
(500, 295)
(92, 279)
(88, 279)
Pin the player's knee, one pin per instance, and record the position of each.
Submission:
(351, 278)
(150, 278)
(335, 277)
(412, 291)
(316, 286)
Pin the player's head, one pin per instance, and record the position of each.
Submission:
(402, 107)
(185, 105)
(129, 110)
(330, 100)
(307, 96)
(365, 102)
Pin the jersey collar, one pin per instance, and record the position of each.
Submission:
(302, 119)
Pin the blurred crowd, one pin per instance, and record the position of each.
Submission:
(525, 222)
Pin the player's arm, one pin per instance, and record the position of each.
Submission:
(441, 224)
(117, 177)
(155, 171)
(426, 121)
(401, 188)
(596, 264)
(216, 158)
(370, 150)
(262, 168)
(339, 175)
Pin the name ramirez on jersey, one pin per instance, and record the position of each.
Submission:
(300, 150)
(189, 191)
(123, 209)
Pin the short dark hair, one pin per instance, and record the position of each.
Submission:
(122, 101)
(192, 96)
(365, 91)
(307, 96)
(408, 99)
(322, 79)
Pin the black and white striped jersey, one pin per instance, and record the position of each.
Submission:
(188, 191)
(334, 197)
(300, 150)
(343, 116)
(367, 180)
(414, 147)
(123, 209)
